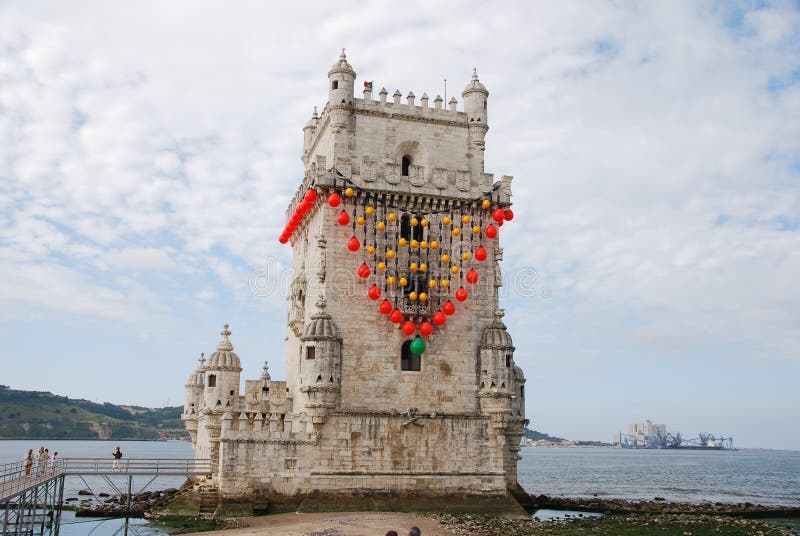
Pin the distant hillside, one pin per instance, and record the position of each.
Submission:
(537, 436)
(43, 415)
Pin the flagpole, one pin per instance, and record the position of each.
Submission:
(445, 93)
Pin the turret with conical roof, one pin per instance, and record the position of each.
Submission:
(194, 397)
(222, 376)
(320, 365)
(341, 78)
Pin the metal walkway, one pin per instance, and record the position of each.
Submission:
(31, 503)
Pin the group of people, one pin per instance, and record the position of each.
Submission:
(40, 462)
(413, 531)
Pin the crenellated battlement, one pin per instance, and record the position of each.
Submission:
(410, 108)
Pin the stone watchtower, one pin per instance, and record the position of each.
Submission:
(401, 378)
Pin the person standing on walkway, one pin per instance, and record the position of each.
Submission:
(54, 461)
(117, 457)
(28, 462)
(38, 458)
(44, 461)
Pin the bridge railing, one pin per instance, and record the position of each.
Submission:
(173, 466)
(13, 477)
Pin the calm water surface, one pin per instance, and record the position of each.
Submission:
(760, 477)
(757, 476)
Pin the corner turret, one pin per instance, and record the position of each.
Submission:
(221, 389)
(194, 397)
(320, 364)
(341, 80)
(475, 98)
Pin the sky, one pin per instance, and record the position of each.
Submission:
(148, 151)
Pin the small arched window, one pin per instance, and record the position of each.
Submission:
(508, 360)
(522, 392)
(311, 352)
(406, 164)
(212, 380)
(335, 84)
(408, 361)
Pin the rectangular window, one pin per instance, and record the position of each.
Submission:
(408, 361)
(212, 381)
(311, 352)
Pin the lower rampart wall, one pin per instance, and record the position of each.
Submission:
(431, 454)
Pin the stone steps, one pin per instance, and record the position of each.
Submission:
(209, 500)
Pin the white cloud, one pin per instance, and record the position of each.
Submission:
(654, 147)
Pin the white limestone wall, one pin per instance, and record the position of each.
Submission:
(440, 455)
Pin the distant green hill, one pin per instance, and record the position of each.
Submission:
(537, 436)
(43, 415)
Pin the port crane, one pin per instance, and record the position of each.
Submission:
(675, 441)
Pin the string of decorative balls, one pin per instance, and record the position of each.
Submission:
(413, 254)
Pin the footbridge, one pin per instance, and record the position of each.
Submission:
(31, 499)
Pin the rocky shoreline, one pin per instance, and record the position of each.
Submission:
(107, 505)
(658, 505)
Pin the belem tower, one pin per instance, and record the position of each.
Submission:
(400, 373)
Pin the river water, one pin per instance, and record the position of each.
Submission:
(756, 476)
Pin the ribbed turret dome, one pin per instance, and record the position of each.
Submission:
(321, 327)
(342, 66)
(474, 85)
(197, 377)
(224, 358)
(496, 335)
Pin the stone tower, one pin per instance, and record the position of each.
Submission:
(401, 377)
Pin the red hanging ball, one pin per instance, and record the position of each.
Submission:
(461, 294)
(364, 271)
(310, 196)
(396, 317)
(491, 231)
(353, 244)
(472, 277)
(498, 215)
(344, 218)
(449, 307)
(425, 329)
(334, 200)
(409, 328)
(439, 318)
(508, 214)
(283, 239)
(500, 224)
(385, 307)
(374, 292)
(480, 253)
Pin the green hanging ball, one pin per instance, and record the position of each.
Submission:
(417, 346)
